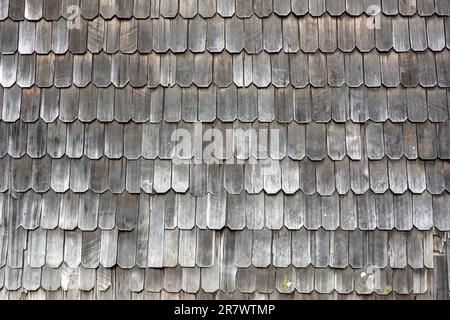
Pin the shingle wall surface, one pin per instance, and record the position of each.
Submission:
(94, 205)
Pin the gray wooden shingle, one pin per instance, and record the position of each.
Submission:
(68, 220)
(261, 250)
(72, 248)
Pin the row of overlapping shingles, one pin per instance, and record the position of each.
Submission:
(240, 141)
(150, 243)
(160, 176)
(143, 9)
(199, 280)
(202, 70)
(89, 211)
(191, 105)
(194, 283)
(234, 35)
